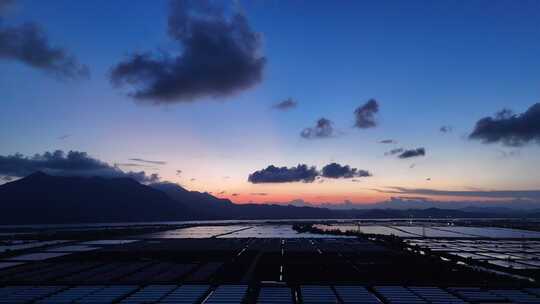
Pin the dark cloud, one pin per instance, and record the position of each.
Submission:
(335, 170)
(142, 177)
(428, 179)
(178, 172)
(235, 194)
(508, 194)
(220, 55)
(323, 129)
(394, 151)
(272, 174)
(5, 5)
(446, 129)
(413, 153)
(286, 104)
(508, 128)
(74, 163)
(303, 173)
(388, 141)
(153, 162)
(128, 165)
(259, 193)
(29, 44)
(365, 114)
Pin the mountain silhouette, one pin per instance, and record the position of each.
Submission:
(45, 199)
(40, 198)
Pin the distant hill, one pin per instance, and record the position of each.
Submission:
(199, 204)
(40, 198)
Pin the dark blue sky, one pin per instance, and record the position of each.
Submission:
(427, 63)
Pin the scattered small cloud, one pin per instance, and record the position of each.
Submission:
(192, 179)
(323, 129)
(446, 129)
(259, 193)
(222, 192)
(63, 137)
(508, 194)
(153, 162)
(226, 177)
(128, 165)
(508, 154)
(365, 114)
(394, 151)
(413, 153)
(513, 130)
(235, 194)
(388, 141)
(354, 180)
(7, 178)
(178, 172)
(273, 174)
(412, 166)
(220, 56)
(428, 179)
(285, 105)
(335, 170)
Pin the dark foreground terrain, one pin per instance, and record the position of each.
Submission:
(146, 269)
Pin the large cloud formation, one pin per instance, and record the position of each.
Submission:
(413, 153)
(508, 128)
(28, 44)
(285, 105)
(365, 114)
(335, 170)
(74, 163)
(304, 173)
(323, 129)
(273, 174)
(220, 55)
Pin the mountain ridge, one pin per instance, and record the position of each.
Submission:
(61, 199)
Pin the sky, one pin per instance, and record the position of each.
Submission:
(219, 96)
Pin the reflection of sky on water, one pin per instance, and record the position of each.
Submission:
(108, 242)
(433, 231)
(38, 256)
(493, 232)
(237, 231)
(273, 231)
(72, 248)
(27, 244)
(503, 253)
(9, 264)
(197, 232)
